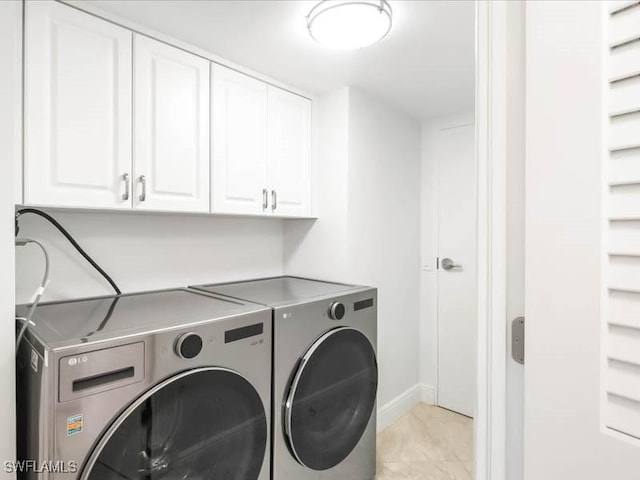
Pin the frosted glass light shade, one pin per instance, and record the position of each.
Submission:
(349, 24)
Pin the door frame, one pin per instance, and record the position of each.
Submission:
(491, 164)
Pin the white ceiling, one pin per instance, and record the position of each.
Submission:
(424, 67)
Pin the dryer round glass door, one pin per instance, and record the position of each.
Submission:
(207, 423)
(331, 398)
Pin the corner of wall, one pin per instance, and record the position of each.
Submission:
(397, 407)
(317, 247)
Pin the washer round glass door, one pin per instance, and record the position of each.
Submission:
(331, 398)
(204, 424)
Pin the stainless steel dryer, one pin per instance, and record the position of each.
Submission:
(325, 375)
(156, 386)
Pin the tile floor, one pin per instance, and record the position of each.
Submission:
(428, 443)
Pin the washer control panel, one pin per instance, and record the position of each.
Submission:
(188, 345)
(337, 311)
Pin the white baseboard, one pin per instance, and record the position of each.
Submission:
(398, 406)
(427, 394)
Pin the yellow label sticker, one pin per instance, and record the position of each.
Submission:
(74, 424)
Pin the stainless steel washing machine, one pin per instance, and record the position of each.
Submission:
(325, 375)
(157, 386)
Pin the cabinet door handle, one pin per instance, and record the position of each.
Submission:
(143, 192)
(265, 199)
(127, 183)
(274, 200)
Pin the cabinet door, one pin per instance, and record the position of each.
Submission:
(239, 131)
(77, 109)
(289, 156)
(171, 125)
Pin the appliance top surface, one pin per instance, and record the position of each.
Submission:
(280, 291)
(76, 322)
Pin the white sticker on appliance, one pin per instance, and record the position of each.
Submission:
(75, 424)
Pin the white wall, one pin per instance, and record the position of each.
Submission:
(146, 251)
(384, 239)
(429, 249)
(316, 248)
(10, 154)
(368, 230)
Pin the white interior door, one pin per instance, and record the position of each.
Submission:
(171, 115)
(77, 139)
(289, 156)
(582, 368)
(239, 138)
(457, 291)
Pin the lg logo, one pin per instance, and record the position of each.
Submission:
(76, 360)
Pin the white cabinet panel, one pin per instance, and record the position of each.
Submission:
(77, 108)
(239, 139)
(171, 124)
(289, 153)
(86, 79)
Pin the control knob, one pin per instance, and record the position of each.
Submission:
(337, 311)
(188, 345)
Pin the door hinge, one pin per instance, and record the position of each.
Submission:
(517, 340)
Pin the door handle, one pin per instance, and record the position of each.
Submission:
(265, 199)
(274, 200)
(448, 264)
(143, 192)
(127, 183)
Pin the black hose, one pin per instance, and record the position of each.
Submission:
(106, 318)
(68, 236)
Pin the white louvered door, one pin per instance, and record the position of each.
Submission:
(582, 287)
(621, 300)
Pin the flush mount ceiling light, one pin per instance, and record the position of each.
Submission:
(349, 24)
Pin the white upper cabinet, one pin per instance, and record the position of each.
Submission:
(239, 139)
(171, 125)
(77, 108)
(261, 139)
(289, 153)
(118, 120)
